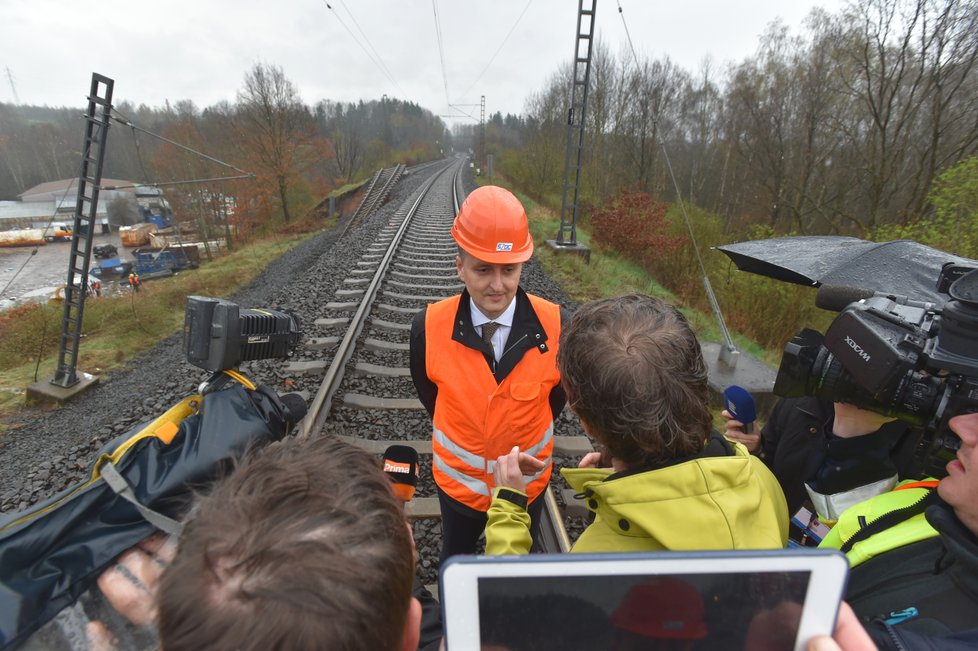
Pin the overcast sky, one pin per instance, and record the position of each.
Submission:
(503, 49)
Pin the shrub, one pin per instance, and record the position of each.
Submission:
(635, 225)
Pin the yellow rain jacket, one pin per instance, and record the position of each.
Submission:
(722, 499)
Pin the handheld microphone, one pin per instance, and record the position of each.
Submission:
(740, 404)
(295, 407)
(402, 467)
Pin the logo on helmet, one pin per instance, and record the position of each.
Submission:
(504, 246)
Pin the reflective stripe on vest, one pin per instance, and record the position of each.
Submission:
(481, 464)
(475, 420)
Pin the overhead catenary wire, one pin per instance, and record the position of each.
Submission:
(161, 184)
(711, 297)
(383, 69)
(366, 38)
(146, 180)
(122, 120)
(498, 50)
(463, 113)
(134, 128)
(441, 50)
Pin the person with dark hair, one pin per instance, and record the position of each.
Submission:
(801, 431)
(633, 372)
(304, 546)
(913, 549)
(483, 365)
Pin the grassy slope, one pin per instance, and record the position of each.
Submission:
(609, 274)
(117, 327)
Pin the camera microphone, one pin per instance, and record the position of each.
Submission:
(740, 404)
(402, 467)
(836, 298)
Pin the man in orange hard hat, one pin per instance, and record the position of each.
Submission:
(484, 366)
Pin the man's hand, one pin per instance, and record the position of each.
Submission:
(130, 584)
(735, 432)
(849, 635)
(510, 468)
(852, 421)
(598, 459)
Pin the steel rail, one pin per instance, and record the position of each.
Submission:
(320, 406)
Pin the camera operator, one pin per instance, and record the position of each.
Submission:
(913, 549)
(801, 431)
(917, 583)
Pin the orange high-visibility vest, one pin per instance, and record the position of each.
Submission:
(476, 421)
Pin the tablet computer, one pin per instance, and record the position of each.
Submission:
(773, 600)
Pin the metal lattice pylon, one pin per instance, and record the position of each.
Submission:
(574, 152)
(482, 135)
(86, 205)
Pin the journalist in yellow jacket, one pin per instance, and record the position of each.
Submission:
(633, 372)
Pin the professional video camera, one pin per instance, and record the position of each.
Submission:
(218, 335)
(899, 357)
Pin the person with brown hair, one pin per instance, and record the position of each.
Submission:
(633, 372)
(303, 546)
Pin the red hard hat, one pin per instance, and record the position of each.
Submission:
(491, 226)
(665, 608)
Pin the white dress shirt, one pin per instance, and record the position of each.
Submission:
(505, 321)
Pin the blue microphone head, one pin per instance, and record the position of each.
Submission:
(740, 404)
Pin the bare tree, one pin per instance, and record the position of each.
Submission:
(543, 159)
(347, 135)
(273, 127)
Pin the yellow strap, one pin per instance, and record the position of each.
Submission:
(164, 428)
(245, 382)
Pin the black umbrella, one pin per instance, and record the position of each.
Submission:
(900, 267)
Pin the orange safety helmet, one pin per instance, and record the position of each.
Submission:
(491, 226)
(663, 608)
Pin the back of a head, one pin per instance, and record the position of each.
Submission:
(302, 546)
(633, 371)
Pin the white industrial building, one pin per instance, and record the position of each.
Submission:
(55, 201)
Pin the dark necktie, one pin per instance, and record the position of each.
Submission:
(488, 330)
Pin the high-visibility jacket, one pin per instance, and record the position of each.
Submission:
(913, 528)
(476, 420)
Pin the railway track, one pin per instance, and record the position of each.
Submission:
(366, 383)
(378, 189)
